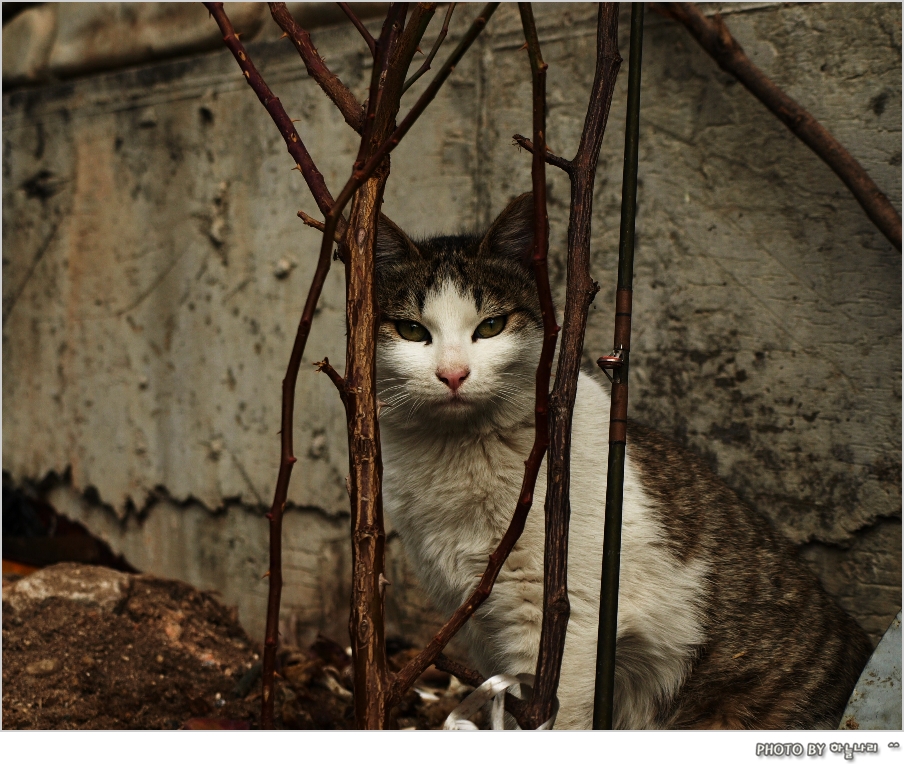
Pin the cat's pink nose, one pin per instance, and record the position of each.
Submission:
(453, 378)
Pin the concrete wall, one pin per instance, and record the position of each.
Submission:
(154, 272)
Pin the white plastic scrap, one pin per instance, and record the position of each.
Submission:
(494, 689)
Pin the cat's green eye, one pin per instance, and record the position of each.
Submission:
(412, 331)
(490, 327)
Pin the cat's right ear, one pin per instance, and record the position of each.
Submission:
(512, 234)
(393, 246)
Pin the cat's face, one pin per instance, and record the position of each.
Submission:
(460, 330)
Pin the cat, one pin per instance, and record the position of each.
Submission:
(719, 625)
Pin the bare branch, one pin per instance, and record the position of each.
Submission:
(555, 594)
(459, 671)
(425, 67)
(409, 674)
(337, 92)
(368, 535)
(368, 37)
(580, 291)
(294, 144)
(715, 39)
(421, 16)
(555, 161)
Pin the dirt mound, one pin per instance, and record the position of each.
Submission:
(86, 647)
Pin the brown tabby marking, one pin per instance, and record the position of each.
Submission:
(779, 652)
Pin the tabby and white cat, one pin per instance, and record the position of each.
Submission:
(719, 626)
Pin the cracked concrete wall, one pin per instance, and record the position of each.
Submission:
(154, 270)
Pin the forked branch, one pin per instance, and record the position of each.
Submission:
(715, 39)
(366, 169)
(425, 67)
(374, 691)
(337, 92)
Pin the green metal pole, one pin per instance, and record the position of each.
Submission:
(618, 418)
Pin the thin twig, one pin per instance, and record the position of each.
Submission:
(368, 37)
(294, 144)
(335, 377)
(425, 67)
(336, 91)
(580, 291)
(555, 161)
(409, 674)
(314, 223)
(555, 597)
(715, 39)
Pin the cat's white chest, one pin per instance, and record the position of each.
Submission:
(451, 499)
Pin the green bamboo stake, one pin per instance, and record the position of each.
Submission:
(618, 418)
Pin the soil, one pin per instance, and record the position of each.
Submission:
(86, 647)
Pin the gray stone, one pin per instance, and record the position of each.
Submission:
(98, 587)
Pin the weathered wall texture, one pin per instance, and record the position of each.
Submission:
(154, 271)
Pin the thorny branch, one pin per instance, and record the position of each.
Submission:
(555, 595)
(555, 161)
(287, 457)
(407, 676)
(368, 536)
(294, 144)
(715, 39)
(425, 67)
(580, 291)
(336, 91)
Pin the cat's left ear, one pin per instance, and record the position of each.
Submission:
(512, 234)
(392, 246)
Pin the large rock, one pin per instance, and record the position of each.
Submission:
(99, 587)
